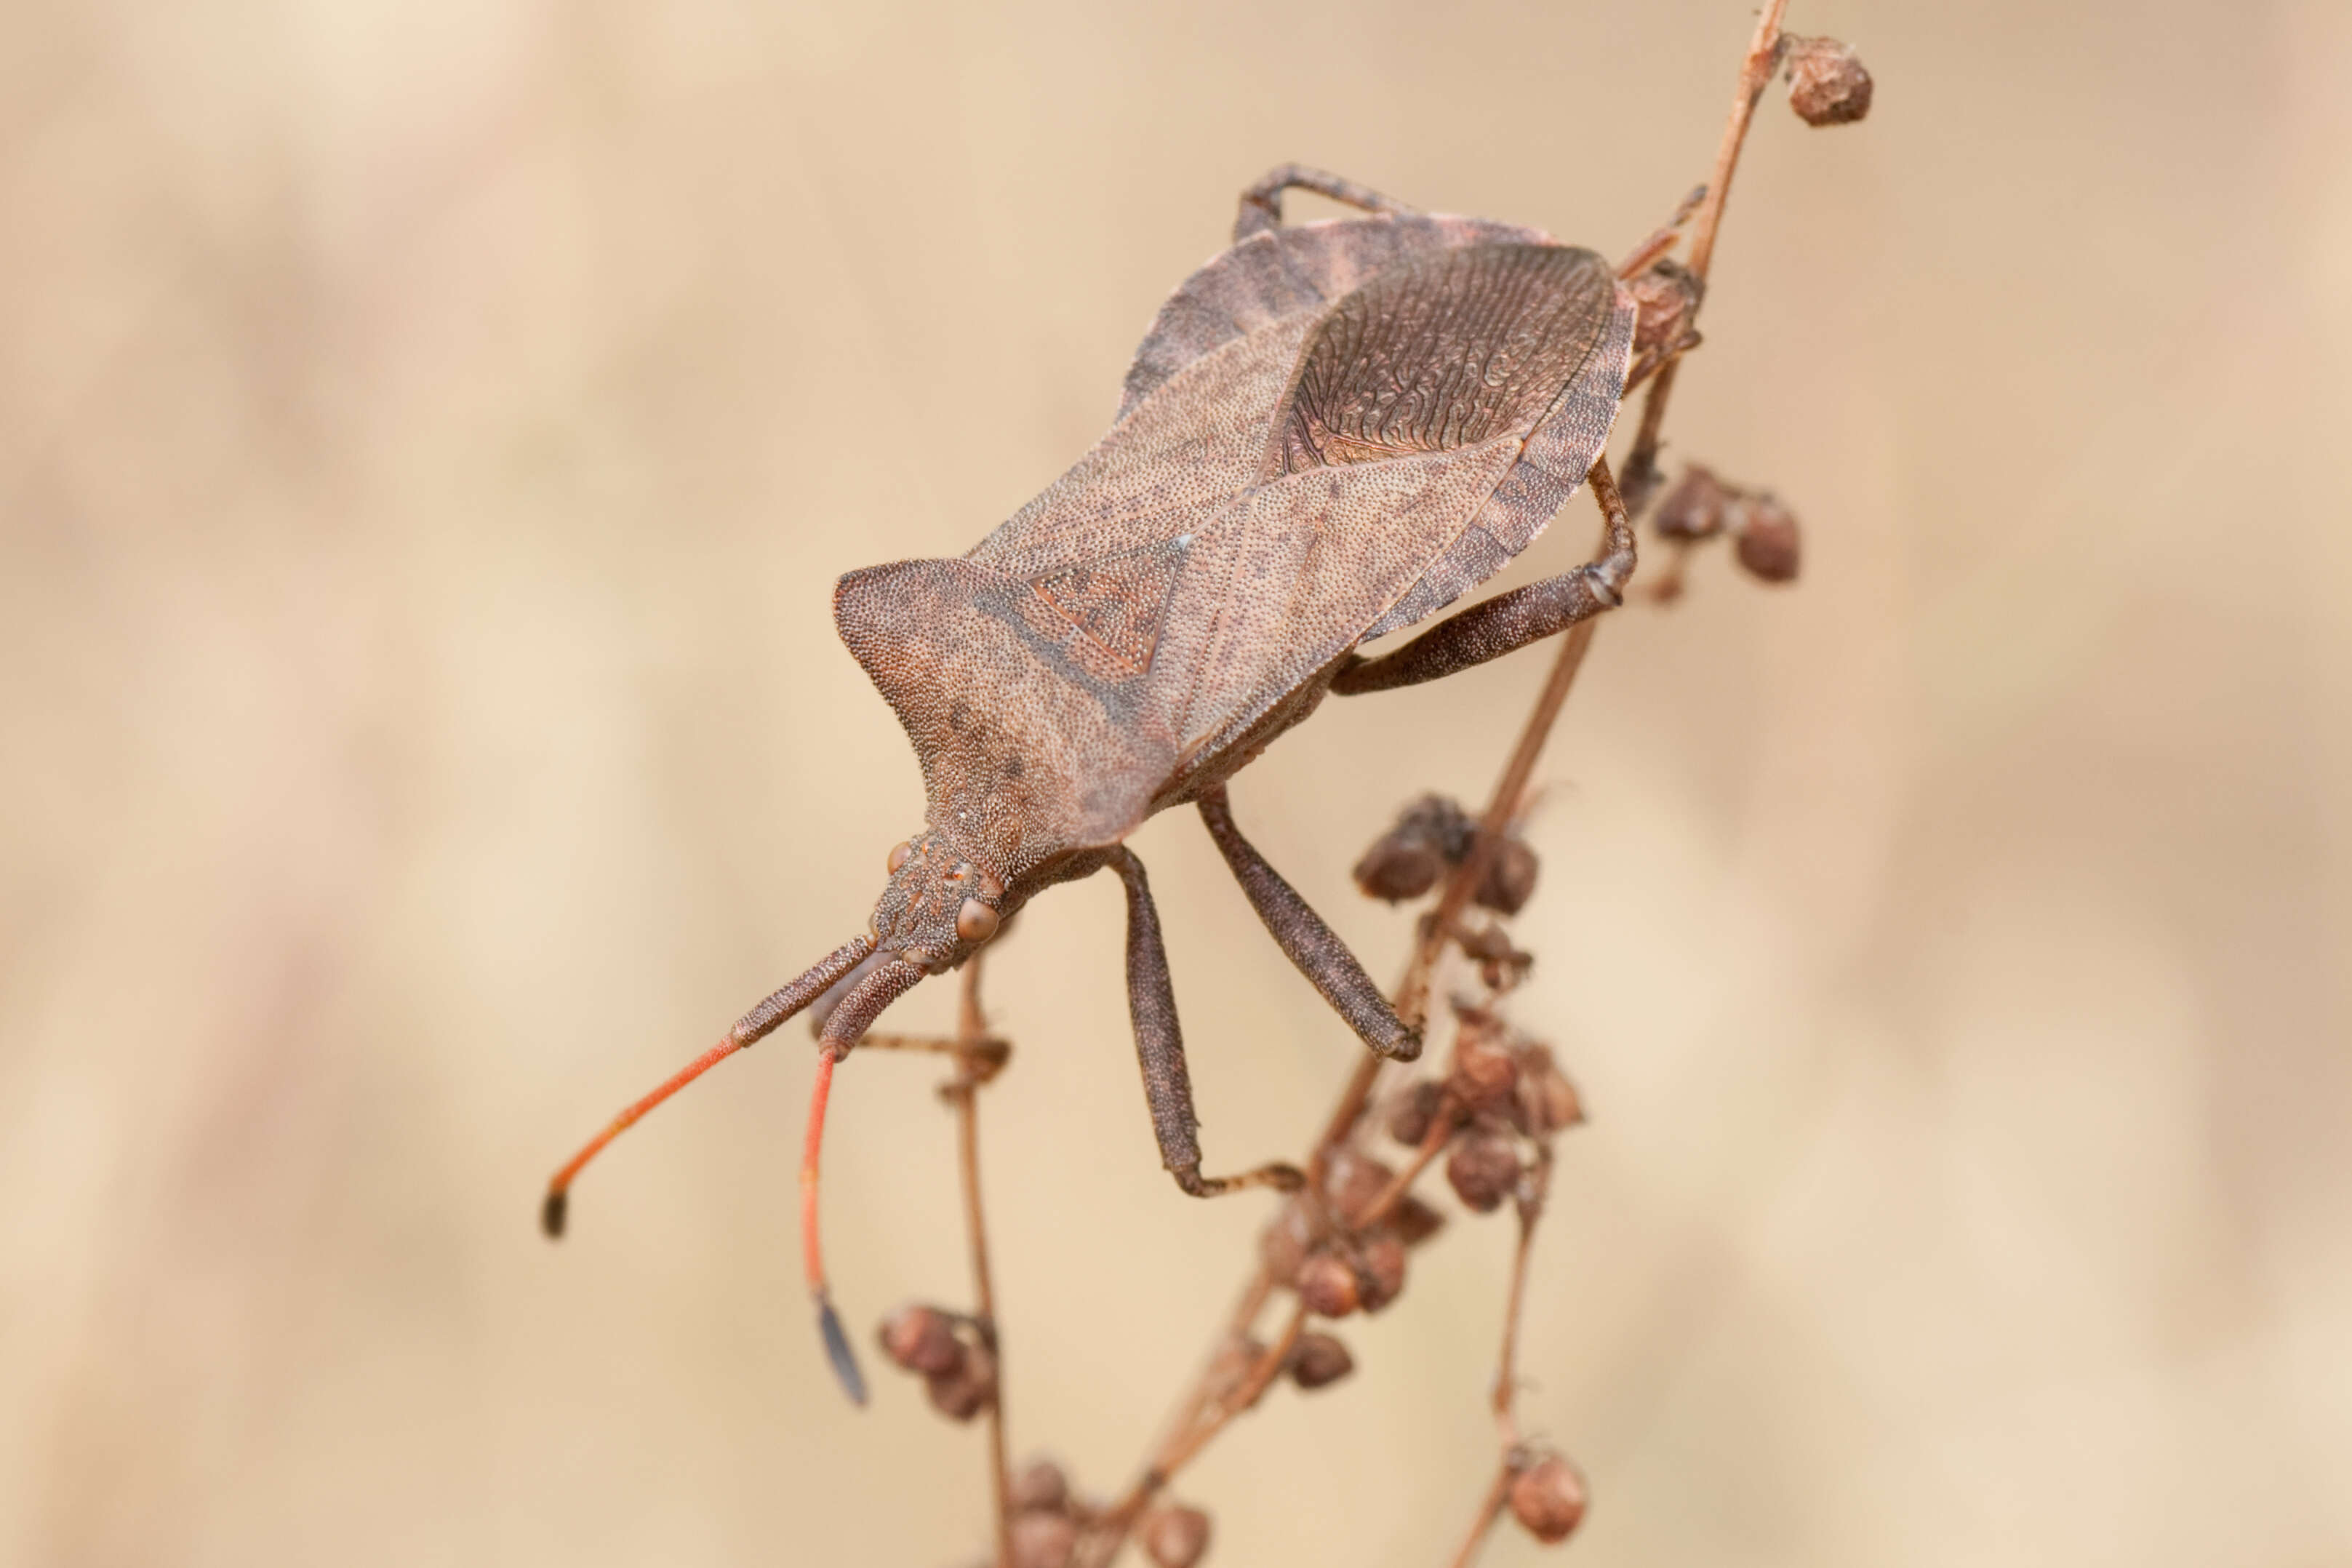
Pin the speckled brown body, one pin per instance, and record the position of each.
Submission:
(1331, 432)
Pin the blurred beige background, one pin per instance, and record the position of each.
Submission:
(428, 435)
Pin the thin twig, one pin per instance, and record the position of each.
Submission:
(975, 1066)
(1213, 1413)
(1510, 790)
(1534, 1187)
(1442, 1129)
(1489, 1508)
(1663, 240)
(1200, 1415)
(1755, 74)
(1756, 71)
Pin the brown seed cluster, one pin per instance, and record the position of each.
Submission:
(1050, 1524)
(1827, 83)
(1763, 530)
(951, 1352)
(1432, 837)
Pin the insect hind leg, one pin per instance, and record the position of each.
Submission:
(1261, 204)
(1159, 1051)
(1509, 622)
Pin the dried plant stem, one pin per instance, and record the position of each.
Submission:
(1205, 1410)
(1223, 1409)
(1202, 1414)
(1755, 72)
(1442, 1129)
(1510, 790)
(975, 1064)
(1658, 244)
(1490, 1508)
(1534, 1187)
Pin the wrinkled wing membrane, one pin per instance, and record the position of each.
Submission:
(1438, 416)
(1293, 475)
(1280, 273)
(1219, 358)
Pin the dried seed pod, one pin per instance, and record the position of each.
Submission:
(1510, 879)
(1694, 508)
(1379, 1270)
(1483, 1170)
(1667, 295)
(1318, 1360)
(1043, 1540)
(1397, 869)
(1353, 1182)
(1286, 1239)
(1415, 1222)
(1175, 1536)
(1768, 543)
(967, 1390)
(1041, 1485)
(921, 1339)
(1327, 1285)
(1485, 1070)
(1441, 820)
(1416, 1110)
(1827, 83)
(1483, 942)
(1500, 966)
(1406, 861)
(1549, 1497)
(1547, 1101)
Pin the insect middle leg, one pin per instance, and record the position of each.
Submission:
(1310, 944)
(1160, 1047)
(1262, 202)
(1509, 622)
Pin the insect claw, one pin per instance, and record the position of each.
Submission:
(550, 1214)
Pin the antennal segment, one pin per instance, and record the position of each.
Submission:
(748, 1030)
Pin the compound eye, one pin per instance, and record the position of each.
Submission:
(899, 856)
(976, 921)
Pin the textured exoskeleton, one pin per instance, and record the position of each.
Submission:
(1331, 433)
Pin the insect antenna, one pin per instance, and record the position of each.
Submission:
(749, 1029)
(850, 1019)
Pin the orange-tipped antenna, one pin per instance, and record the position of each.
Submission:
(747, 1031)
(828, 1321)
(851, 1018)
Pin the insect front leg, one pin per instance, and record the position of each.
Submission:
(1160, 1047)
(1509, 622)
(1262, 202)
(1313, 946)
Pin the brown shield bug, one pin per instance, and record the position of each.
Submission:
(1332, 431)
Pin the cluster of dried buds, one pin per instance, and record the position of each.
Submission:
(1342, 1252)
(1343, 1246)
(1503, 1098)
(1763, 533)
(1434, 836)
(954, 1354)
(1050, 1523)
